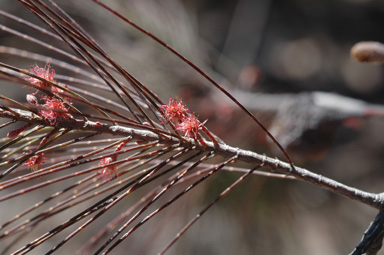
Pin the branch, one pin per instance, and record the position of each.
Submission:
(331, 104)
(305, 123)
(371, 199)
(373, 237)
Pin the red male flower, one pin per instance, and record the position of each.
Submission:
(180, 115)
(34, 162)
(47, 73)
(54, 109)
(175, 111)
(190, 126)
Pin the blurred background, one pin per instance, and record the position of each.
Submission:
(273, 55)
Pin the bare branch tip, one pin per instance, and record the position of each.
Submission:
(368, 52)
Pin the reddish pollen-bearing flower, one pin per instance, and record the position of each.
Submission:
(47, 73)
(108, 172)
(180, 115)
(34, 162)
(175, 111)
(53, 109)
(190, 126)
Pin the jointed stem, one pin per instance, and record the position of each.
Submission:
(371, 199)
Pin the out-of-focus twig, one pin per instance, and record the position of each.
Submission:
(305, 123)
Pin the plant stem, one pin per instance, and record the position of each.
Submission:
(372, 199)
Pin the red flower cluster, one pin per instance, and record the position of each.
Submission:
(190, 126)
(175, 111)
(183, 119)
(34, 162)
(47, 73)
(53, 107)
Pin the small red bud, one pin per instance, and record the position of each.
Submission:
(108, 172)
(14, 133)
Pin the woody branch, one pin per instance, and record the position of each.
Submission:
(371, 199)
